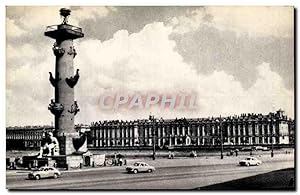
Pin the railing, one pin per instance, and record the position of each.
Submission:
(51, 28)
(63, 26)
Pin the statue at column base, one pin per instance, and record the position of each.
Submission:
(50, 146)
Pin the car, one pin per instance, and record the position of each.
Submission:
(247, 149)
(250, 161)
(140, 167)
(260, 148)
(44, 172)
(266, 149)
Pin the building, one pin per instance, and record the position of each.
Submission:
(26, 138)
(246, 129)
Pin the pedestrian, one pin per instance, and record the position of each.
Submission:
(120, 161)
(115, 159)
(236, 153)
(172, 155)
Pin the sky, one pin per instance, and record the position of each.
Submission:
(234, 59)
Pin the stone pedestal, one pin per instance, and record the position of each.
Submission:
(68, 161)
(34, 161)
(66, 145)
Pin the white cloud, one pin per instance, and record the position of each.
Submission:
(25, 52)
(30, 19)
(93, 13)
(256, 21)
(191, 21)
(141, 62)
(12, 30)
(269, 92)
(28, 93)
(146, 61)
(133, 60)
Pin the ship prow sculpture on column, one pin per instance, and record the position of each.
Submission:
(65, 145)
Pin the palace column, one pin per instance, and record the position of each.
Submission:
(122, 134)
(250, 133)
(164, 134)
(198, 134)
(105, 135)
(203, 134)
(108, 133)
(132, 134)
(239, 133)
(98, 141)
(263, 133)
(189, 129)
(268, 134)
(234, 132)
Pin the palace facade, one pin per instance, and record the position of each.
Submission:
(28, 137)
(246, 129)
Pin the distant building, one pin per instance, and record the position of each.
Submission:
(30, 137)
(26, 138)
(246, 129)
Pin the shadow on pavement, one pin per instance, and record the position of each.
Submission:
(283, 179)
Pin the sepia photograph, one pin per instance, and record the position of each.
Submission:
(124, 98)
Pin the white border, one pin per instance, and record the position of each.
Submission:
(120, 3)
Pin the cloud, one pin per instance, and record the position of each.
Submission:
(28, 93)
(255, 21)
(92, 13)
(141, 62)
(146, 61)
(269, 92)
(13, 30)
(133, 60)
(25, 52)
(21, 19)
(190, 21)
(221, 93)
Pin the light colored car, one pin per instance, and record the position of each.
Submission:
(44, 172)
(261, 148)
(247, 149)
(250, 161)
(140, 167)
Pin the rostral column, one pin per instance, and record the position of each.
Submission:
(63, 107)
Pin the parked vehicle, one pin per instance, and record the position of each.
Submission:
(246, 149)
(261, 148)
(249, 161)
(140, 167)
(44, 172)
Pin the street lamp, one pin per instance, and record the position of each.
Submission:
(151, 118)
(221, 136)
(221, 129)
(272, 146)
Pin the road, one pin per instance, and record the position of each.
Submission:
(183, 176)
